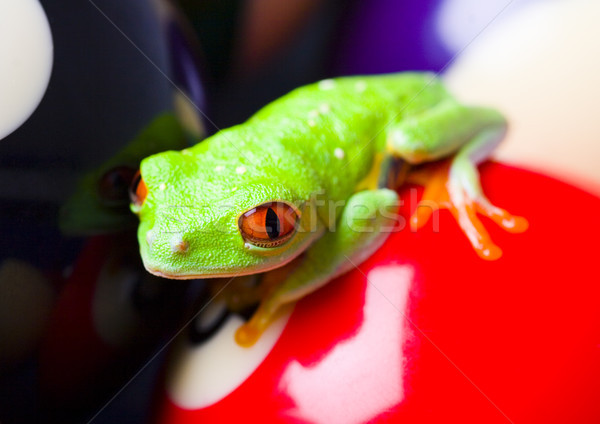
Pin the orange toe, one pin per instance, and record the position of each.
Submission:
(436, 196)
(247, 335)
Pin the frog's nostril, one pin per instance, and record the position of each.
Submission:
(178, 245)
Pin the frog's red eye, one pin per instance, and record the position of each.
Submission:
(138, 190)
(268, 225)
(113, 185)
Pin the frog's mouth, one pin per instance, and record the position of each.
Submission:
(210, 273)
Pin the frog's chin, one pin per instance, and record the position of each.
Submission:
(206, 275)
(221, 274)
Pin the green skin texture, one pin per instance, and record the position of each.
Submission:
(86, 212)
(291, 151)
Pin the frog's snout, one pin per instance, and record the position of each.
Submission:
(177, 244)
(164, 253)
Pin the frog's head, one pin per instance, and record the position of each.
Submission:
(201, 217)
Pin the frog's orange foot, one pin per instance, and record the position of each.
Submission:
(466, 215)
(443, 193)
(249, 333)
(270, 307)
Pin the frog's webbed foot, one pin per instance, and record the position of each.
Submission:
(249, 332)
(455, 186)
(267, 312)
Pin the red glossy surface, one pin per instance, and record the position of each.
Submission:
(108, 316)
(72, 352)
(426, 331)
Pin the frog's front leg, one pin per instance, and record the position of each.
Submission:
(365, 223)
(468, 199)
(472, 133)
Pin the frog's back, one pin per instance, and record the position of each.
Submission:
(330, 129)
(356, 100)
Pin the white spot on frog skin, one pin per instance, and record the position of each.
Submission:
(247, 245)
(234, 189)
(219, 168)
(178, 245)
(240, 170)
(186, 152)
(314, 113)
(339, 153)
(360, 86)
(162, 186)
(327, 84)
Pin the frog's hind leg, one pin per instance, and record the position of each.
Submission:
(454, 184)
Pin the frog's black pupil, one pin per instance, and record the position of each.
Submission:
(272, 224)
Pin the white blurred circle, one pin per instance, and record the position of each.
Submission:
(540, 66)
(25, 61)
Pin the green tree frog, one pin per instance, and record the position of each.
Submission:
(308, 182)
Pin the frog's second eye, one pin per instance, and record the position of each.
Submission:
(138, 190)
(268, 225)
(113, 185)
